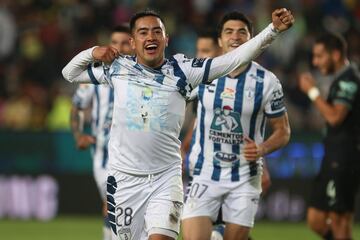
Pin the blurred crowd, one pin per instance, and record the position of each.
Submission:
(38, 37)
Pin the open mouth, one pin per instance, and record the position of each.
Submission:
(235, 45)
(151, 48)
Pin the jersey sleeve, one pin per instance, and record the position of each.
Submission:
(274, 98)
(345, 92)
(83, 69)
(203, 70)
(83, 96)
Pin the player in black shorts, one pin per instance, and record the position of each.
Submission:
(332, 200)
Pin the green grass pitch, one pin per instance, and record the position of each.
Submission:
(90, 228)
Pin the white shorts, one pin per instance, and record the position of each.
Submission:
(141, 205)
(239, 200)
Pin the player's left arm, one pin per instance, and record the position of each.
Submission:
(275, 111)
(279, 137)
(336, 112)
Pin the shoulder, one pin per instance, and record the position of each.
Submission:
(268, 77)
(181, 59)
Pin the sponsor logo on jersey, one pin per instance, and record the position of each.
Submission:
(228, 93)
(277, 102)
(226, 126)
(198, 62)
(257, 78)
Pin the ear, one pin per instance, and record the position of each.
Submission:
(166, 40)
(220, 43)
(132, 43)
(336, 55)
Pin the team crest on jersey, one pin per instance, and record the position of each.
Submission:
(226, 126)
(228, 93)
(250, 92)
(124, 234)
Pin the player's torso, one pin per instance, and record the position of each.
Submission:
(345, 83)
(229, 109)
(148, 114)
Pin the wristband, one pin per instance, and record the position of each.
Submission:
(313, 93)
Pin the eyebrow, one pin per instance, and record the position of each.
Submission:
(145, 28)
(234, 29)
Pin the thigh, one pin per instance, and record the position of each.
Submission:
(163, 212)
(197, 228)
(236, 232)
(127, 198)
(203, 199)
(241, 204)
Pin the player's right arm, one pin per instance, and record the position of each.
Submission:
(82, 68)
(81, 100)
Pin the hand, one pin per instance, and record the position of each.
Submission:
(282, 19)
(306, 82)
(84, 141)
(105, 54)
(252, 151)
(265, 180)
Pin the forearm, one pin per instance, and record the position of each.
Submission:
(276, 141)
(242, 55)
(76, 122)
(76, 69)
(327, 110)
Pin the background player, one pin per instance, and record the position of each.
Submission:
(144, 186)
(334, 188)
(228, 154)
(100, 98)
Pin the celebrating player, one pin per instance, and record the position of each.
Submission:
(144, 185)
(229, 141)
(101, 98)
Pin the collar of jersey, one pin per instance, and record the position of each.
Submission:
(150, 69)
(243, 72)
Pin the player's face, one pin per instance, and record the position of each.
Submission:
(149, 41)
(322, 59)
(121, 41)
(206, 48)
(233, 34)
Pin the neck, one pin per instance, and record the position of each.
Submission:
(151, 64)
(238, 71)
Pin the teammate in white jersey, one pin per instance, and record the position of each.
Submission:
(100, 98)
(144, 185)
(229, 141)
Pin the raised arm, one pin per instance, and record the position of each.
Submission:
(282, 19)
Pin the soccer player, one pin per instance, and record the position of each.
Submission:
(145, 195)
(229, 142)
(100, 98)
(331, 207)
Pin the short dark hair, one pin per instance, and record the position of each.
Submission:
(145, 13)
(332, 41)
(208, 33)
(121, 29)
(235, 15)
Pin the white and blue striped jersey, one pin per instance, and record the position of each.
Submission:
(101, 99)
(149, 104)
(229, 109)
